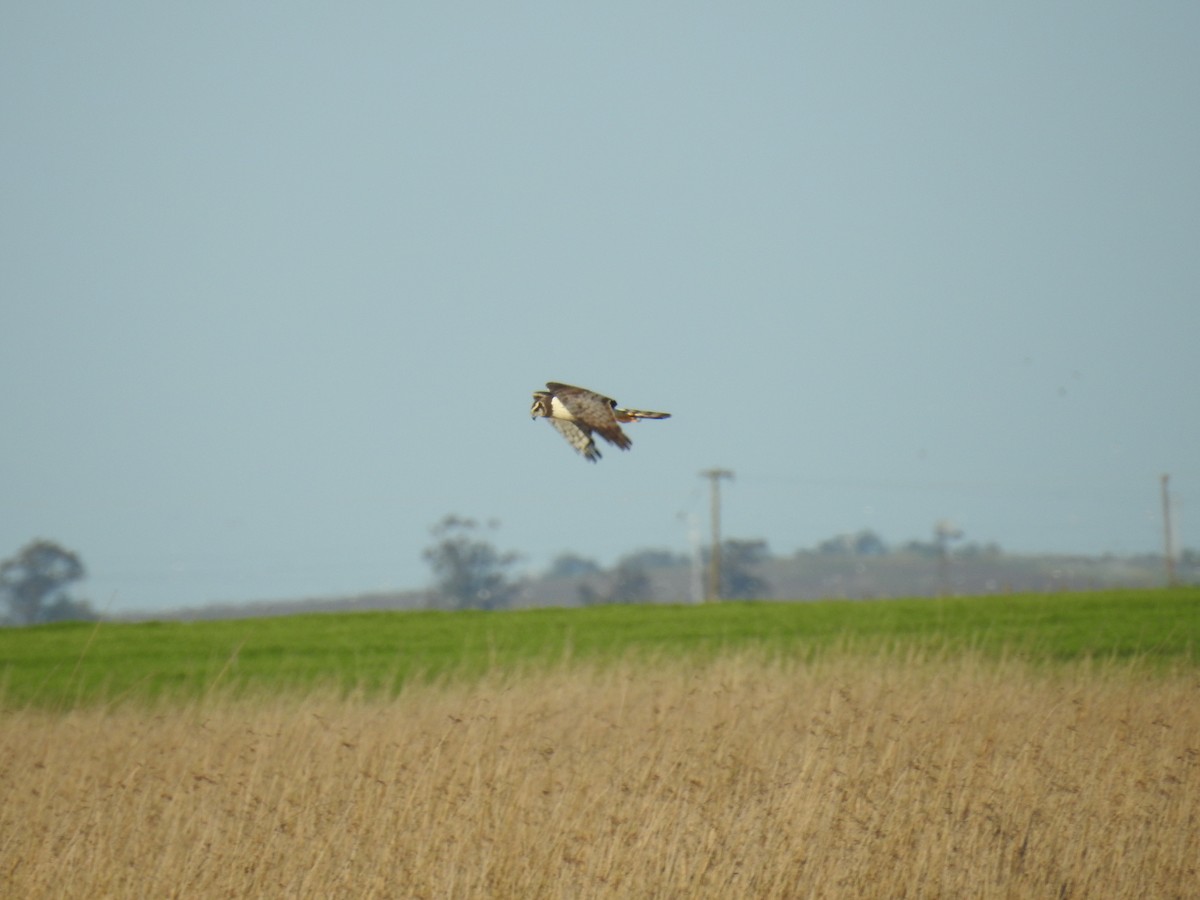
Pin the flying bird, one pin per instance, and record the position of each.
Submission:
(578, 413)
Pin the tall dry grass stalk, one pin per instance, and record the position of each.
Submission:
(738, 778)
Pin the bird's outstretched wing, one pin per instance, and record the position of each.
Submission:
(577, 437)
(592, 410)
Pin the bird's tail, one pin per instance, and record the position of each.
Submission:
(632, 415)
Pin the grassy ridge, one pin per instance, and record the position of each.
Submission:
(79, 664)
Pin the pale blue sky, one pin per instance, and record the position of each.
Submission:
(278, 279)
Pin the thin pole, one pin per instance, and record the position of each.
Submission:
(944, 532)
(1168, 537)
(714, 559)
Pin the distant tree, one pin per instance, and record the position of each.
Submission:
(654, 558)
(838, 545)
(924, 549)
(590, 596)
(976, 551)
(33, 585)
(739, 559)
(865, 543)
(469, 572)
(628, 582)
(868, 543)
(570, 565)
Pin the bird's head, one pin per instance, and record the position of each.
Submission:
(541, 405)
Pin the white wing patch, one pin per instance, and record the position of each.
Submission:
(558, 410)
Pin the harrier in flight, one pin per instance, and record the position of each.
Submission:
(578, 413)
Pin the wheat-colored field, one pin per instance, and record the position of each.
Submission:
(847, 777)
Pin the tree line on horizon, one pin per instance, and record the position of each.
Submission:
(470, 572)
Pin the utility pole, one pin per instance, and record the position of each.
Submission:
(714, 561)
(1168, 538)
(943, 533)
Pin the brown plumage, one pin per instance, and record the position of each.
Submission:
(577, 413)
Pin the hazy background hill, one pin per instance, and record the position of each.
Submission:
(804, 575)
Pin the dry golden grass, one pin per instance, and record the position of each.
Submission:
(739, 778)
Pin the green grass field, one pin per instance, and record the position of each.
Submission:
(64, 666)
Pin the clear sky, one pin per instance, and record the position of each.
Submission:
(277, 279)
